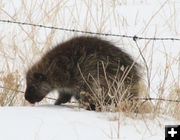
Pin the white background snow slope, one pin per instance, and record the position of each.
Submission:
(62, 123)
(19, 46)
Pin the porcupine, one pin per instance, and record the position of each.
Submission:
(76, 66)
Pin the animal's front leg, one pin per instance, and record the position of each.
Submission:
(64, 97)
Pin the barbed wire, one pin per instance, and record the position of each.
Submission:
(89, 32)
(134, 99)
(156, 99)
(134, 37)
(22, 92)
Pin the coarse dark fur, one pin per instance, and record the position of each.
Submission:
(75, 65)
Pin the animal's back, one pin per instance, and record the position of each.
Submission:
(87, 52)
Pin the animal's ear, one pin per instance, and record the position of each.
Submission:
(39, 76)
(59, 63)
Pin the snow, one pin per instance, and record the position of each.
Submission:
(49, 122)
(146, 18)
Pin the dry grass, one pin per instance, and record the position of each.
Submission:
(118, 94)
(11, 84)
(173, 109)
(21, 46)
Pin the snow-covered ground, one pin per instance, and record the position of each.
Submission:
(22, 45)
(48, 122)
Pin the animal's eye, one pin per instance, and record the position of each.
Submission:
(40, 77)
(62, 61)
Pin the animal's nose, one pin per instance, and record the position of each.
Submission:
(29, 93)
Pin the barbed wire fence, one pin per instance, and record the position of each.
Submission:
(133, 37)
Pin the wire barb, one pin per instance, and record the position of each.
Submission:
(88, 32)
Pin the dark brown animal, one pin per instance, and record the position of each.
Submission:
(79, 64)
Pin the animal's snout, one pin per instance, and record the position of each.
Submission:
(30, 94)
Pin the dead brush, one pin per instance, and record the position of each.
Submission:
(117, 97)
(173, 108)
(9, 94)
